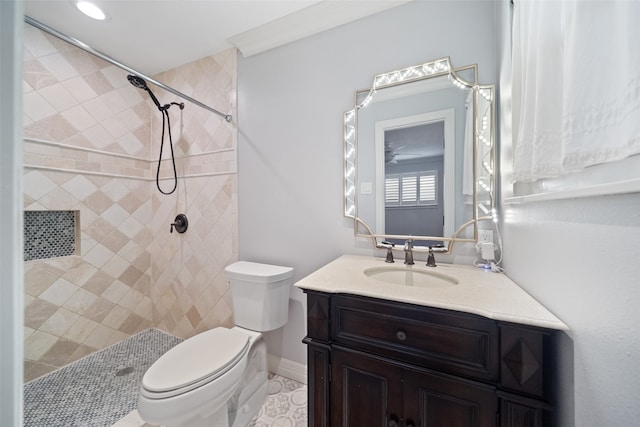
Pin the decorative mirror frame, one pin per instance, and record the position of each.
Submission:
(484, 191)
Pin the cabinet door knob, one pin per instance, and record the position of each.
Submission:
(401, 335)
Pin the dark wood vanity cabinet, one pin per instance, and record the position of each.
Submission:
(381, 363)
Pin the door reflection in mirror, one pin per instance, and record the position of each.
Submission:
(413, 178)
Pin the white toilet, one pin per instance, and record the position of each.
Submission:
(218, 378)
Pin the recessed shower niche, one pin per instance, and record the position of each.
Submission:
(50, 234)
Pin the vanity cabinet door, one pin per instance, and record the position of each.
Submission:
(433, 399)
(318, 356)
(518, 411)
(365, 391)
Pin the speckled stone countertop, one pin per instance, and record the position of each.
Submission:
(487, 294)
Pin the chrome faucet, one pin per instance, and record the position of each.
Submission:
(408, 252)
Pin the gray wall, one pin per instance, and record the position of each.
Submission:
(580, 258)
(290, 106)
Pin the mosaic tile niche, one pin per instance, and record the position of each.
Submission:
(49, 234)
(91, 147)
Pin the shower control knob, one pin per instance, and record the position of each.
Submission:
(180, 224)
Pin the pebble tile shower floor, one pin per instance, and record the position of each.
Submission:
(101, 390)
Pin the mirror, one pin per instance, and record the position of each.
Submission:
(419, 155)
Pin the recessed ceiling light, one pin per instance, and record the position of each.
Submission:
(91, 10)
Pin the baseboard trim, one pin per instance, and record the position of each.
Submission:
(287, 368)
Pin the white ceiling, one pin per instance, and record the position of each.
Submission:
(157, 35)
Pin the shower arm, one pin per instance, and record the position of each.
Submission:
(87, 48)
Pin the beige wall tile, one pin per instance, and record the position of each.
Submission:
(80, 301)
(80, 329)
(131, 273)
(98, 283)
(37, 344)
(58, 66)
(96, 83)
(36, 76)
(59, 292)
(59, 353)
(82, 351)
(100, 337)
(59, 322)
(115, 292)
(37, 280)
(99, 310)
(116, 317)
(132, 324)
(38, 312)
(81, 274)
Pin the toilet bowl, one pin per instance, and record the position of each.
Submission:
(218, 378)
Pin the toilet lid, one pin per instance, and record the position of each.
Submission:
(257, 272)
(199, 359)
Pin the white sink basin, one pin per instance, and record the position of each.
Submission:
(408, 276)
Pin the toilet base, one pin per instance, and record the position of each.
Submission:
(226, 418)
(243, 401)
(250, 408)
(218, 419)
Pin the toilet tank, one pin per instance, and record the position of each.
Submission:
(260, 294)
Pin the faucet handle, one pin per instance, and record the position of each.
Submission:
(389, 259)
(389, 246)
(180, 224)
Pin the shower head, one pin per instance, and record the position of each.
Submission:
(140, 83)
(137, 82)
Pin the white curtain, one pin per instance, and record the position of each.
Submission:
(576, 85)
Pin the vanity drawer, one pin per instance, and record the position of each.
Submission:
(438, 339)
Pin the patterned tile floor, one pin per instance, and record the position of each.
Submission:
(101, 390)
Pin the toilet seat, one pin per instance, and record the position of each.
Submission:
(195, 362)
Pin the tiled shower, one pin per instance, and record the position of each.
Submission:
(90, 153)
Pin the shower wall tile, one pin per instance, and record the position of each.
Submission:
(36, 42)
(92, 142)
(59, 322)
(36, 107)
(84, 89)
(59, 292)
(57, 65)
(38, 312)
(37, 344)
(85, 290)
(58, 97)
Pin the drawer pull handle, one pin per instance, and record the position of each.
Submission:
(401, 335)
